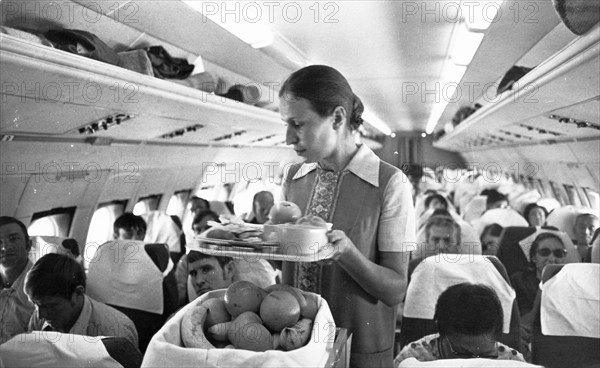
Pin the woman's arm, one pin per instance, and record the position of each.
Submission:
(385, 281)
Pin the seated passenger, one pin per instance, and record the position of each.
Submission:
(56, 286)
(585, 225)
(15, 307)
(208, 272)
(129, 227)
(261, 205)
(495, 199)
(490, 239)
(547, 248)
(436, 201)
(469, 320)
(201, 219)
(198, 204)
(535, 214)
(442, 235)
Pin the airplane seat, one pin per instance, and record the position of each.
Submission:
(474, 208)
(566, 328)
(162, 228)
(502, 216)
(509, 252)
(42, 245)
(435, 274)
(55, 349)
(140, 284)
(564, 217)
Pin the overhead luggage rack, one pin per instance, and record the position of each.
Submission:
(566, 84)
(66, 91)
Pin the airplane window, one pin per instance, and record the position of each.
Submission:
(177, 203)
(593, 197)
(559, 194)
(146, 204)
(101, 228)
(572, 194)
(56, 222)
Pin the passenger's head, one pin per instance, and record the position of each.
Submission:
(585, 225)
(56, 285)
(443, 234)
(436, 201)
(490, 239)
(320, 110)
(201, 219)
(209, 272)
(129, 227)
(495, 199)
(14, 244)
(198, 204)
(547, 248)
(261, 205)
(469, 319)
(535, 214)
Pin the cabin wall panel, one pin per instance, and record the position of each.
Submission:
(11, 189)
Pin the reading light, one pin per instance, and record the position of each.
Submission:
(375, 122)
(451, 76)
(465, 45)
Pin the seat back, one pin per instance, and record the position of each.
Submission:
(566, 330)
(509, 252)
(434, 277)
(55, 349)
(138, 277)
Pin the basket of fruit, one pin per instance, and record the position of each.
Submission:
(246, 326)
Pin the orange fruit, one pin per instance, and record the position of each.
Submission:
(312, 306)
(217, 313)
(279, 309)
(243, 296)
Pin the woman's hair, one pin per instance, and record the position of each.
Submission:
(202, 214)
(439, 197)
(326, 89)
(469, 309)
(491, 229)
(54, 275)
(530, 207)
(535, 245)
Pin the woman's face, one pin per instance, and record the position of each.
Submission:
(490, 244)
(536, 217)
(550, 251)
(312, 136)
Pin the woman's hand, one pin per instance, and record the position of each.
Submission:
(338, 244)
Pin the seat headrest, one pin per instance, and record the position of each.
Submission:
(42, 245)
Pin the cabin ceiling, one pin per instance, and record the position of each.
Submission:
(385, 48)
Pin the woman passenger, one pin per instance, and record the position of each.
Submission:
(368, 201)
(490, 239)
(535, 214)
(547, 248)
(469, 319)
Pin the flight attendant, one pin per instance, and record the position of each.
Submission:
(368, 201)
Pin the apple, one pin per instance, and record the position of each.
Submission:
(284, 212)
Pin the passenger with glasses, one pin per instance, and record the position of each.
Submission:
(547, 248)
(469, 319)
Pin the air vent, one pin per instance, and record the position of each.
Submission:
(180, 132)
(229, 136)
(575, 122)
(263, 138)
(104, 123)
